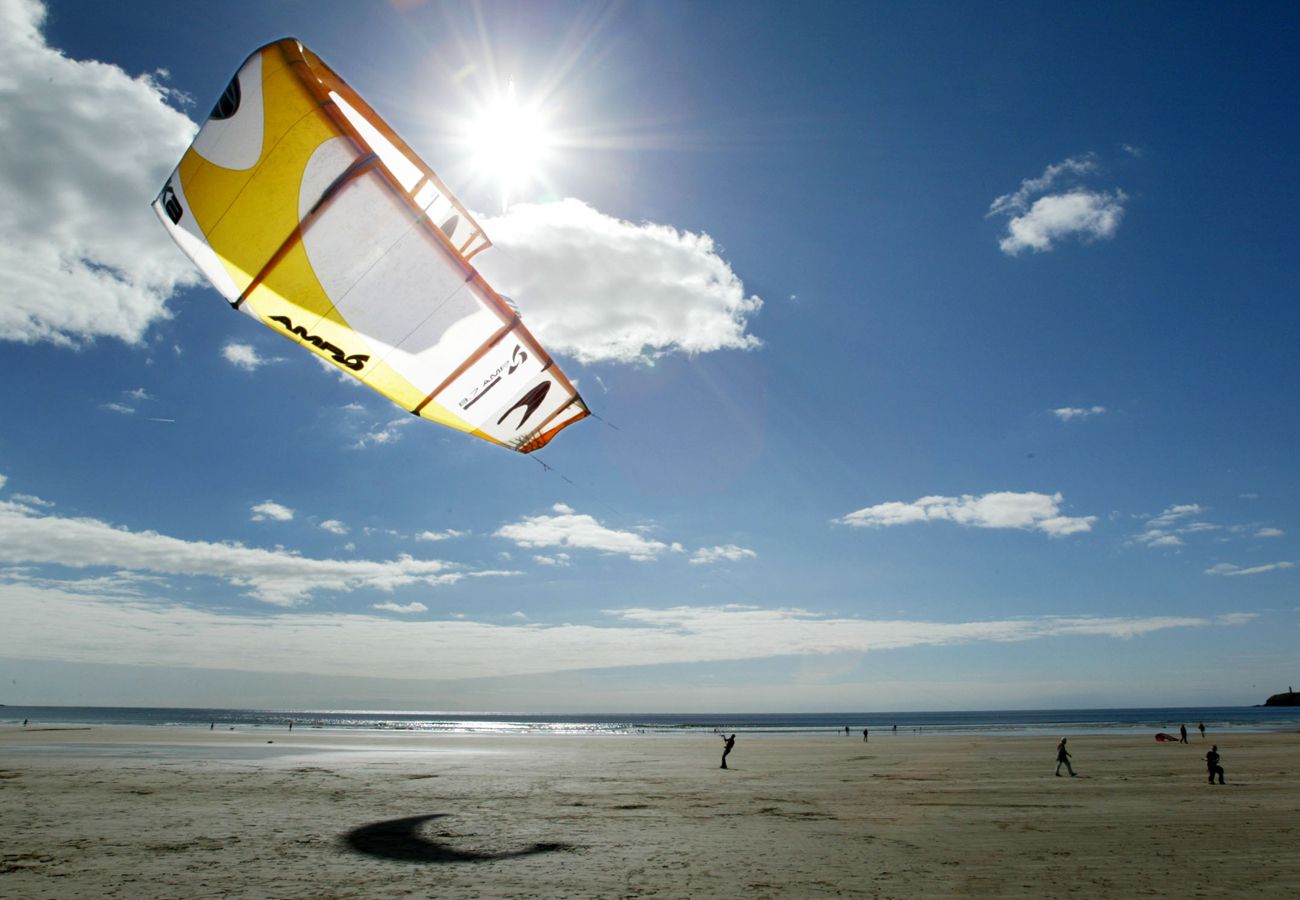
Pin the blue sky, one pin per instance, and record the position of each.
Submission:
(945, 355)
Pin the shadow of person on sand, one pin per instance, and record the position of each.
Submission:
(399, 840)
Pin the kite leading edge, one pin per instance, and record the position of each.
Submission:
(309, 213)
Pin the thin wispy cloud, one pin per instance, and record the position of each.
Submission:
(728, 552)
(1269, 533)
(414, 606)
(382, 435)
(29, 536)
(570, 529)
(334, 526)
(444, 535)
(1073, 413)
(1057, 205)
(163, 633)
(1232, 570)
(1000, 509)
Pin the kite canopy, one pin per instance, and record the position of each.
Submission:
(308, 213)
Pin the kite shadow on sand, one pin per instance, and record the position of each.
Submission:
(400, 840)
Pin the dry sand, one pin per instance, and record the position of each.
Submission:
(183, 813)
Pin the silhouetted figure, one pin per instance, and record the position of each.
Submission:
(1201, 725)
(291, 724)
(1182, 734)
(864, 735)
(211, 725)
(846, 731)
(24, 723)
(1063, 756)
(727, 744)
(895, 729)
(1212, 764)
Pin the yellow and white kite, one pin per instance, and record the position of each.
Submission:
(308, 213)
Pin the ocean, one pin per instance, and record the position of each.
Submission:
(1217, 720)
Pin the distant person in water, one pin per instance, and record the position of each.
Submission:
(1201, 725)
(846, 731)
(1182, 734)
(727, 744)
(1212, 764)
(1063, 757)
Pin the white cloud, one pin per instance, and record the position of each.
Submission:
(269, 510)
(1000, 509)
(160, 632)
(30, 500)
(334, 526)
(1037, 219)
(729, 552)
(568, 528)
(446, 535)
(558, 560)
(413, 607)
(1070, 413)
(383, 434)
(119, 408)
(87, 147)
(244, 356)
(28, 537)
(1269, 533)
(1230, 569)
(1175, 514)
(600, 288)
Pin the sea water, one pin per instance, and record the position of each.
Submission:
(1217, 719)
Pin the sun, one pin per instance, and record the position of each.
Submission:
(509, 143)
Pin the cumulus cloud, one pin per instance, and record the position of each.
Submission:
(729, 552)
(244, 356)
(1054, 206)
(1000, 509)
(334, 526)
(160, 632)
(603, 289)
(30, 537)
(87, 147)
(1230, 569)
(1070, 413)
(269, 510)
(571, 529)
(558, 560)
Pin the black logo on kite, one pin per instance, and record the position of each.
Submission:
(228, 103)
(517, 359)
(170, 204)
(530, 401)
(355, 362)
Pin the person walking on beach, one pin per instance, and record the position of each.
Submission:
(1182, 734)
(1063, 756)
(1212, 764)
(864, 735)
(1201, 725)
(727, 744)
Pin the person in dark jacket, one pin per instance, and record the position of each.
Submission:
(1212, 764)
(1063, 757)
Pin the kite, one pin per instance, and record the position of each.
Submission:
(306, 211)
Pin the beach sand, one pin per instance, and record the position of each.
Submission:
(186, 813)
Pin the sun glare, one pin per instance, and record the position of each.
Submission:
(509, 143)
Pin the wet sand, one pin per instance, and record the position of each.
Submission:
(156, 812)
